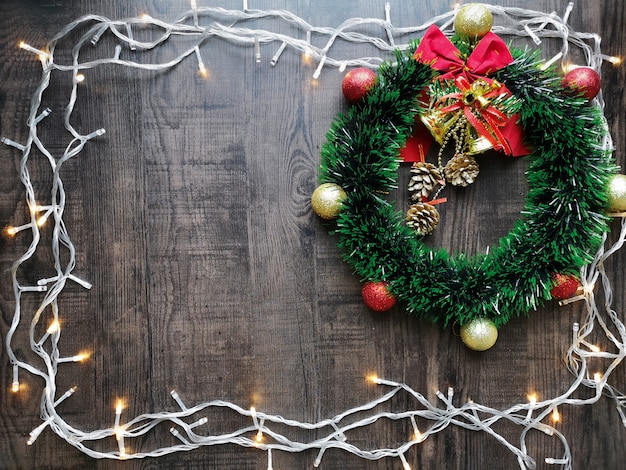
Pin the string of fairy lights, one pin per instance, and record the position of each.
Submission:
(266, 432)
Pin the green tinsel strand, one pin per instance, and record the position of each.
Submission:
(351, 140)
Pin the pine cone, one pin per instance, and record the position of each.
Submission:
(422, 217)
(425, 176)
(461, 170)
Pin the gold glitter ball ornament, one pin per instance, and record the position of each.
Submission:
(617, 193)
(473, 20)
(327, 200)
(479, 334)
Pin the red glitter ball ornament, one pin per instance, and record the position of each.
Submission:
(357, 83)
(564, 286)
(377, 297)
(583, 80)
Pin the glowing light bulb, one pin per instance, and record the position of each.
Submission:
(568, 66)
(307, 56)
(119, 406)
(532, 399)
(54, 327)
(597, 377)
(27, 47)
(82, 356)
(308, 53)
(15, 387)
(556, 416)
(204, 72)
(259, 437)
(80, 78)
(405, 463)
(373, 378)
(13, 230)
(255, 420)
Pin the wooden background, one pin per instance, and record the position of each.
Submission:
(212, 275)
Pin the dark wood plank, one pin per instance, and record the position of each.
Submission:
(213, 277)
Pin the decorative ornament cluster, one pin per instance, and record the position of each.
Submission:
(334, 199)
(473, 94)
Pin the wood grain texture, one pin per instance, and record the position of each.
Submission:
(212, 275)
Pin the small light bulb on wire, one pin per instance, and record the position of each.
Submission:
(15, 387)
(54, 327)
(27, 47)
(308, 53)
(82, 356)
(615, 60)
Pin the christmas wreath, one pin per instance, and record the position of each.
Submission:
(473, 93)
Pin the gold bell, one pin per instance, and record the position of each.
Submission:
(440, 124)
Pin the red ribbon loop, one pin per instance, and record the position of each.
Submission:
(490, 55)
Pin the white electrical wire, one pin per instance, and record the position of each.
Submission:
(272, 432)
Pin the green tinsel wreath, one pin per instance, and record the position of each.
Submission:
(561, 225)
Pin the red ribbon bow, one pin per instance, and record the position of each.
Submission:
(490, 55)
